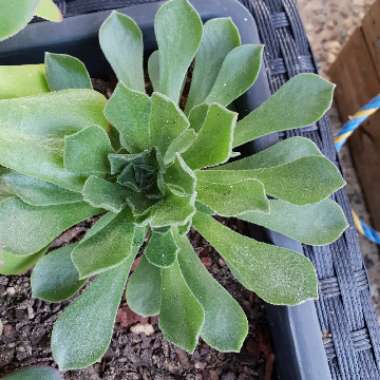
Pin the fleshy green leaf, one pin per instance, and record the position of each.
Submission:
(180, 145)
(83, 332)
(107, 248)
(213, 144)
(103, 194)
(167, 122)
(11, 264)
(226, 325)
(32, 130)
(198, 116)
(181, 315)
(25, 230)
(231, 199)
(315, 224)
(220, 36)
(154, 70)
(281, 153)
(238, 73)
(55, 279)
(300, 102)
(277, 275)
(65, 71)
(178, 30)
(22, 80)
(86, 151)
(143, 289)
(37, 373)
(172, 210)
(180, 178)
(129, 111)
(161, 250)
(49, 11)
(15, 15)
(306, 180)
(35, 192)
(121, 41)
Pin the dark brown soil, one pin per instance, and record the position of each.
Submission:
(25, 328)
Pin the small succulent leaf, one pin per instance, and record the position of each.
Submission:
(121, 41)
(198, 116)
(37, 373)
(138, 239)
(65, 71)
(306, 180)
(277, 275)
(48, 10)
(35, 192)
(238, 73)
(179, 145)
(283, 152)
(154, 70)
(129, 111)
(22, 80)
(140, 205)
(161, 250)
(14, 16)
(54, 278)
(180, 178)
(25, 230)
(316, 224)
(231, 199)
(107, 248)
(213, 144)
(167, 122)
(32, 130)
(83, 332)
(301, 101)
(178, 30)
(104, 194)
(226, 325)
(172, 210)
(11, 264)
(86, 151)
(181, 314)
(220, 36)
(143, 289)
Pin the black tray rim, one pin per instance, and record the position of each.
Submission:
(296, 332)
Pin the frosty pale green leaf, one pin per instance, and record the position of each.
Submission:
(104, 194)
(277, 275)
(83, 331)
(226, 325)
(106, 249)
(178, 30)
(25, 230)
(220, 36)
(38, 373)
(143, 290)
(48, 10)
(64, 72)
(154, 70)
(11, 264)
(213, 144)
(181, 315)
(300, 102)
(55, 278)
(315, 224)
(238, 73)
(122, 43)
(161, 250)
(129, 113)
(22, 80)
(180, 178)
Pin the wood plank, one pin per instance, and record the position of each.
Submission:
(371, 30)
(358, 81)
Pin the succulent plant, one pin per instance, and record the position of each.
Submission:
(149, 167)
(36, 373)
(15, 15)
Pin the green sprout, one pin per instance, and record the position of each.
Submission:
(149, 167)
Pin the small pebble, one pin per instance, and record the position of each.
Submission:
(146, 329)
(1, 328)
(11, 291)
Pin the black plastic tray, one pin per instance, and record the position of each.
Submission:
(295, 330)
